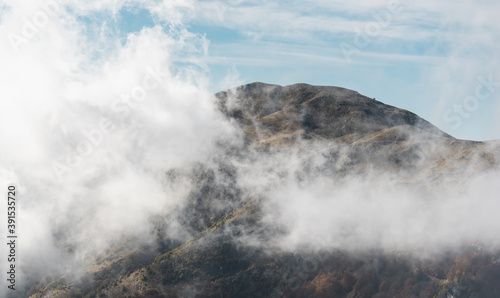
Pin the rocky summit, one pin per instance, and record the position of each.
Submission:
(272, 112)
(240, 227)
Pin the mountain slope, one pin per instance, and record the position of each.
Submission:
(313, 138)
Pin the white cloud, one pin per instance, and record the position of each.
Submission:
(60, 84)
(90, 137)
(359, 212)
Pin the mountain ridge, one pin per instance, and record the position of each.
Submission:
(331, 135)
(307, 110)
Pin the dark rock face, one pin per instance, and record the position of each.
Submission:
(352, 134)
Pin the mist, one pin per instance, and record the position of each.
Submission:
(90, 129)
(374, 212)
(94, 131)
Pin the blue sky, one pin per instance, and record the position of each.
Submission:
(428, 57)
(424, 57)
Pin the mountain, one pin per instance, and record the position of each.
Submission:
(313, 112)
(373, 133)
(235, 239)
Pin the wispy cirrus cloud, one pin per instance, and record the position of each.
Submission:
(446, 44)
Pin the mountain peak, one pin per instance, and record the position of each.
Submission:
(328, 112)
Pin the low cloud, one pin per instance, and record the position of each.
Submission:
(92, 136)
(93, 127)
(315, 204)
